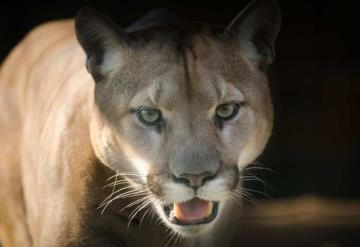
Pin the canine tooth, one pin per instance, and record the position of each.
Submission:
(210, 208)
(177, 210)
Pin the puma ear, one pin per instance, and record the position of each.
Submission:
(101, 39)
(256, 28)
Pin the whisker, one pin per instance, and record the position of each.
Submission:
(137, 210)
(234, 197)
(135, 202)
(128, 194)
(258, 192)
(119, 190)
(142, 218)
(130, 188)
(171, 234)
(179, 236)
(153, 201)
(250, 168)
(127, 174)
(252, 177)
(145, 202)
(251, 198)
(152, 213)
(117, 182)
(112, 192)
(117, 174)
(247, 196)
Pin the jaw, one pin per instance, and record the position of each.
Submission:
(192, 213)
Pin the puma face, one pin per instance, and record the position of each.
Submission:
(181, 108)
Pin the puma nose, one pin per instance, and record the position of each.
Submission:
(194, 180)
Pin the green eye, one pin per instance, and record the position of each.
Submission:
(227, 111)
(149, 116)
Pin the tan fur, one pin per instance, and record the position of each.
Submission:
(33, 85)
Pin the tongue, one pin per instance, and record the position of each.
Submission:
(194, 210)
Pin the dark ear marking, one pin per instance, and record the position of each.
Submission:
(97, 35)
(256, 28)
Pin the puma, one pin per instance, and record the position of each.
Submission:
(136, 136)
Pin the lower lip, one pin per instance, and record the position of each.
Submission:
(207, 220)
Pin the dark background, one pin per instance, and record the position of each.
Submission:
(314, 81)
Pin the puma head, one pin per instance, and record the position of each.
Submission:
(180, 107)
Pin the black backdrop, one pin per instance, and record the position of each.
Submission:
(315, 83)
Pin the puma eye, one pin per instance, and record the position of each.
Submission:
(149, 116)
(227, 111)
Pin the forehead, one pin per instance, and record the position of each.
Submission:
(198, 69)
(188, 83)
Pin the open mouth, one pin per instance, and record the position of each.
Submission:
(193, 212)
